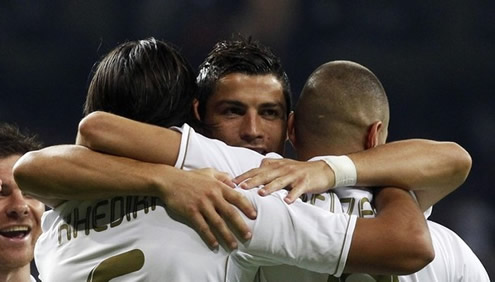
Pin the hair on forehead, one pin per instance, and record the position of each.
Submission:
(239, 55)
(15, 142)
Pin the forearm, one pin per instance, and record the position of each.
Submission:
(432, 169)
(71, 172)
(397, 241)
(116, 135)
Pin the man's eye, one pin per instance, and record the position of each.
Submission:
(271, 113)
(232, 111)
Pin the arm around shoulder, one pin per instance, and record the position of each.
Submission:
(116, 135)
(397, 241)
(432, 169)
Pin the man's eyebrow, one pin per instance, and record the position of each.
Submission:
(231, 103)
(237, 103)
(271, 105)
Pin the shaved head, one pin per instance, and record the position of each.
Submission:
(337, 106)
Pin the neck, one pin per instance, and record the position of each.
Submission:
(20, 274)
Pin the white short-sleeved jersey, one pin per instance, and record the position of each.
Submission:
(454, 260)
(134, 238)
(355, 201)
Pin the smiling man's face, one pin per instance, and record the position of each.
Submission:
(248, 111)
(20, 218)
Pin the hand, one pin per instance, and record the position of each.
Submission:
(299, 177)
(205, 198)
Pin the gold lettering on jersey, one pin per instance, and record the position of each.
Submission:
(319, 200)
(349, 203)
(365, 208)
(104, 214)
(117, 266)
(315, 197)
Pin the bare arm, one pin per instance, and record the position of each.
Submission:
(432, 169)
(116, 135)
(397, 241)
(71, 172)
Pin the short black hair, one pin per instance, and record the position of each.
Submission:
(145, 80)
(15, 142)
(239, 55)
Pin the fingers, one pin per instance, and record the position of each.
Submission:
(294, 194)
(226, 179)
(281, 182)
(223, 218)
(204, 231)
(217, 223)
(236, 222)
(266, 166)
(241, 202)
(243, 177)
(261, 176)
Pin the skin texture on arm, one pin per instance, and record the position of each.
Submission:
(116, 135)
(432, 169)
(406, 243)
(71, 172)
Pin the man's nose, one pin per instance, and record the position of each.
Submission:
(17, 206)
(251, 127)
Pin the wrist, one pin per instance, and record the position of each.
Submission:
(163, 183)
(343, 167)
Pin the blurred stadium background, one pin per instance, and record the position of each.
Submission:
(434, 59)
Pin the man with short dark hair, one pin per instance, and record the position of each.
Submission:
(244, 96)
(20, 215)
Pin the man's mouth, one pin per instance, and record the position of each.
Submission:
(15, 232)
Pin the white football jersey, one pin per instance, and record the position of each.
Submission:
(134, 238)
(454, 260)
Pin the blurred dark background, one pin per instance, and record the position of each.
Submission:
(434, 59)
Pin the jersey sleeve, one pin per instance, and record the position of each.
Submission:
(197, 151)
(298, 234)
(453, 257)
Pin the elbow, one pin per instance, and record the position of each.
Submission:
(422, 256)
(461, 163)
(90, 127)
(464, 162)
(417, 252)
(22, 171)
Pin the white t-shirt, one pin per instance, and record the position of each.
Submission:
(454, 260)
(134, 238)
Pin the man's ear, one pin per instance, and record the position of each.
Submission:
(373, 138)
(196, 109)
(291, 130)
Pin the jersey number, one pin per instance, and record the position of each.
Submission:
(116, 266)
